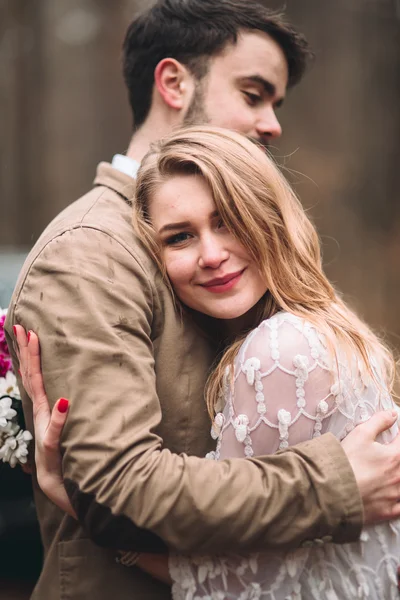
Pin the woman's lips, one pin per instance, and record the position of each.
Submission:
(223, 284)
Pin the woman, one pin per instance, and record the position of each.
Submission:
(235, 245)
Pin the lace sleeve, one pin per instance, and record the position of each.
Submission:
(281, 395)
(282, 390)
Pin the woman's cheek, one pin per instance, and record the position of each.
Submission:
(179, 269)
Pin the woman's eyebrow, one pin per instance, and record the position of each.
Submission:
(173, 226)
(183, 224)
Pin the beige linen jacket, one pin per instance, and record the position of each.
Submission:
(134, 372)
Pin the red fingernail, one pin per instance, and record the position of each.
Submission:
(63, 405)
(15, 330)
(29, 336)
(19, 371)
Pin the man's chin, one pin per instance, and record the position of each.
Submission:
(263, 144)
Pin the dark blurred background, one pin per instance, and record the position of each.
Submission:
(63, 109)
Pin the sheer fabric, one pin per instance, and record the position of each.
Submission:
(288, 389)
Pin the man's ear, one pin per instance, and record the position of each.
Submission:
(173, 83)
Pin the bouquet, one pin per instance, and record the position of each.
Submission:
(14, 440)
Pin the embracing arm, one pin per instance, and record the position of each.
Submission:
(48, 428)
(119, 479)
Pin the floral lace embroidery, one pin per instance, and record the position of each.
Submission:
(287, 389)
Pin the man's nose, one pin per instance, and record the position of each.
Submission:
(268, 126)
(212, 253)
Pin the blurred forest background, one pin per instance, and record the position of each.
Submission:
(63, 108)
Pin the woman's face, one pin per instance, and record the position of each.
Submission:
(209, 269)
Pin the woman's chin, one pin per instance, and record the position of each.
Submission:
(225, 315)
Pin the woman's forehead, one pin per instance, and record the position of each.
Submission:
(183, 197)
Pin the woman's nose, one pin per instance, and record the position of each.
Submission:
(212, 254)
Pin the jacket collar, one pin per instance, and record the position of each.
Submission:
(115, 180)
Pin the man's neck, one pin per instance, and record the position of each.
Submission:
(138, 146)
(151, 131)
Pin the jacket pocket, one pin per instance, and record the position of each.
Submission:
(86, 571)
(89, 572)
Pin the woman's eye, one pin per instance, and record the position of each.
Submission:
(220, 224)
(177, 238)
(252, 98)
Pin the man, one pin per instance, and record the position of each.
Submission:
(134, 372)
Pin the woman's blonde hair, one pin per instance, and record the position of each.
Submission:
(261, 210)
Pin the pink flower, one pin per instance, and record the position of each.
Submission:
(3, 343)
(5, 365)
(5, 362)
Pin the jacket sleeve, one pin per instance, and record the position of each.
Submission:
(91, 303)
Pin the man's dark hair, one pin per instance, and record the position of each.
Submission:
(192, 31)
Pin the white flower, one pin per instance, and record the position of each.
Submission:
(335, 389)
(8, 386)
(6, 412)
(250, 366)
(209, 568)
(217, 425)
(253, 563)
(314, 352)
(240, 425)
(284, 419)
(11, 428)
(364, 537)
(242, 568)
(323, 407)
(301, 371)
(284, 416)
(301, 362)
(15, 449)
(291, 564)
(13, 441)
(7, 449)
(188, 581)
(217, 595)
(255, 592)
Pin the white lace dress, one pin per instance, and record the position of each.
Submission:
(286, 391)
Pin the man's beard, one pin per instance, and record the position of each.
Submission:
(196, 113)
(262, 143)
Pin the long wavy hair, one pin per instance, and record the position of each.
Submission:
(262, 212)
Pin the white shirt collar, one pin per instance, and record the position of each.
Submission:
(125, 165)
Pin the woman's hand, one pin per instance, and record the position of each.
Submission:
(48, 424)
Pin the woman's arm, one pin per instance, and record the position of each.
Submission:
(155, 565)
